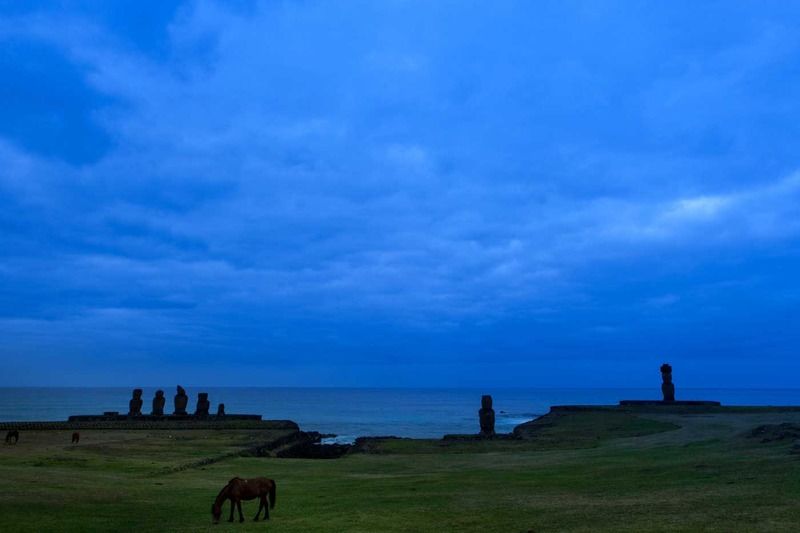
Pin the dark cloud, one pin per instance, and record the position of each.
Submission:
(331, 194)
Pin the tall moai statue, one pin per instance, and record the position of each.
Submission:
(135, 405)
(486, 416)
(181, 401)
(203, 405)
(158, 403)
(667, 387)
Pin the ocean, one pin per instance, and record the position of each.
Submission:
(352, 412)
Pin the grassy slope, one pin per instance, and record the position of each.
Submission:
(577, 476)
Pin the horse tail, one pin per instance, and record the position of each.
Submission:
(273, 493)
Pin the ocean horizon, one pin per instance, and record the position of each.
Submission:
(353, 412)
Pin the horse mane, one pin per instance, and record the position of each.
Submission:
(222, 493)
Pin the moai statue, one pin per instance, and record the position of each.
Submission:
(203, 405)
(667, 387)
(158, 403)
(221, 410)
(181, 401)
(486, 416)
(135, 405)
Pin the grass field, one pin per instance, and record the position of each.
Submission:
(580, 472)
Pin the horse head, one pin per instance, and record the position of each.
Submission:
(216, 512)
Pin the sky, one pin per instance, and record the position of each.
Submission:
(399, 193)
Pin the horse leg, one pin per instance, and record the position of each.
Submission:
(230, 518)
(239, 506)
(266, 507)
(260, 505)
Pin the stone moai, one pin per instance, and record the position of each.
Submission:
(203, 405)
(486, 416)
(221, 409)
(135, 405)
(158, 403)
(181, 401)
(667, 387)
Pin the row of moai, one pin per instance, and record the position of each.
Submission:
(181, 401)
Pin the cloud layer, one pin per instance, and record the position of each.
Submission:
(398, 193)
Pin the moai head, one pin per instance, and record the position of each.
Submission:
(666, 373)
(486, 401)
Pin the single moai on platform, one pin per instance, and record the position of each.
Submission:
(486, 416)
(667, 387)
(221, 409)
(203, 405)
(135, 405)
(181, 401)
(158, 403)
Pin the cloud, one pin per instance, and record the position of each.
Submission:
(292, 177)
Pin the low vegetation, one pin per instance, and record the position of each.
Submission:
(575, 472)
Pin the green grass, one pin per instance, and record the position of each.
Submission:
(580, 472)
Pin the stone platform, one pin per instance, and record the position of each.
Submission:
(116, 417)
(153, 423)
(676, 402)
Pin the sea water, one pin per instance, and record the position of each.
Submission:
(352, 412)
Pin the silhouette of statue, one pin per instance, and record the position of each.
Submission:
(221, 410)
(203, 405)
(158, 403)
(181, 401)
(135, 405)
(667, 387)
(486, 416)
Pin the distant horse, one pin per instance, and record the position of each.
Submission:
(239, 489)
(12, 435)
(76, 438)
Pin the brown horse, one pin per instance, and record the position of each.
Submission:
(76, 438)
(12, 435)
(239, 489)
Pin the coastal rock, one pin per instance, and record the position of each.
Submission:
(159, 401)
(181, 401)
(486, 416)
(667, 387)
(203, 405)
(135, 404)
(776, 432)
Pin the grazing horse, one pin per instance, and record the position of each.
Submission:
(12, 435)
(239, 489)
(76, 438)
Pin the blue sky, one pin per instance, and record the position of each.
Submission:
(399, 193)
